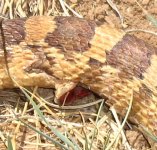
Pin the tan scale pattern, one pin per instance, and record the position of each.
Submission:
(23, 57)
(150, 77)
(77, 67)
(106, 42)
(36, 29)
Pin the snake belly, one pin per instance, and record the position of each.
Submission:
(62, 52)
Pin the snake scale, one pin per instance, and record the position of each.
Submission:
(62, 52)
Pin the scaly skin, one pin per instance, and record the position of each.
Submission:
(61, 52)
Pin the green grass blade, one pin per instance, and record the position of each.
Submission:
(150, 134)
(10, 146)
(44, 135)
(57, 133)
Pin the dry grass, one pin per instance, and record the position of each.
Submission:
(45, 127)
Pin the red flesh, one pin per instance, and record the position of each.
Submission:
(74, 95)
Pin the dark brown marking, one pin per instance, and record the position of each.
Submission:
(14, 31)
(42, 62)
(71, 34)
(37, 65)
(94, 63)
(131, 56)
(39, 59)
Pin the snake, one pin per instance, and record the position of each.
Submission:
(63, 52)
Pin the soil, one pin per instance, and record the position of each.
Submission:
(133, 15)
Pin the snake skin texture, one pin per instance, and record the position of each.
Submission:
(62, 52)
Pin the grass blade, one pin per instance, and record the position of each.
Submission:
(10, 146)
(40, 114)
(43, 134)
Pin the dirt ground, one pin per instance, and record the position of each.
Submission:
(124, 14)
(133, 16)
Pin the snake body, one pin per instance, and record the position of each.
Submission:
(62, 52)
